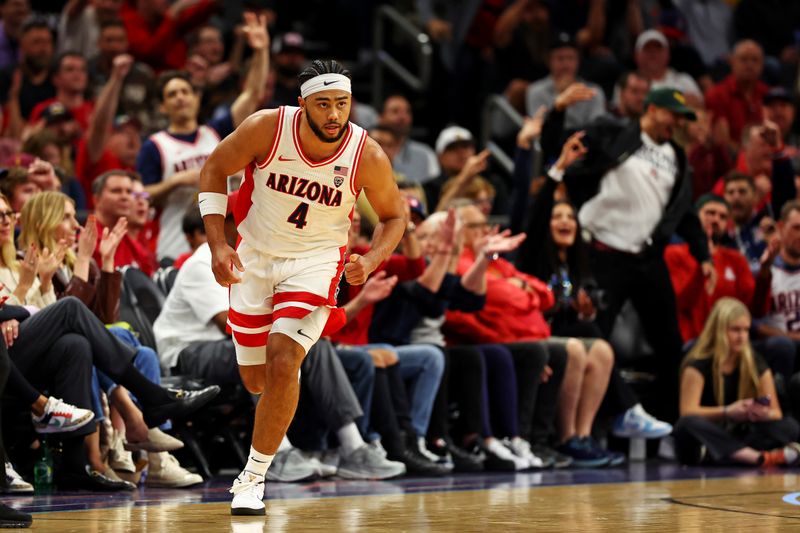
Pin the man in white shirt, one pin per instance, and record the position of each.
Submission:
(632, 187)
(652, 60)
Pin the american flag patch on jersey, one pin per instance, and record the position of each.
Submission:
(340, 171)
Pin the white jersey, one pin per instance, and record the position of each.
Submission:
(290, 206)
(785, 296)
(176, 156)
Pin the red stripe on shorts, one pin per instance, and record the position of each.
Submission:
(337, 278)
(251, 340)
(249, 321)
(290, 312)
(298, 296)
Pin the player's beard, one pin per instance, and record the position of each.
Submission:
(321, 135)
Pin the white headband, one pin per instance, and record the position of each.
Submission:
(325, 82)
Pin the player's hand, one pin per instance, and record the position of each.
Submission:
(224, 260)
(358, 269)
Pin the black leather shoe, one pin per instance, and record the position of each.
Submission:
(183, 403)
(463, 461)
(418, 464)
(91, 480)
(11, 518)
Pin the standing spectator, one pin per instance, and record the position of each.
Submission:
(635, 172)
(32, 85)
(70, 78)
(289, 57)
(728, 403)
(736, 101)
(156, 30)
(138, 96)
(414, 160)
(13, 13)
(80, 24)
(170, 160)
(710, 27)
(563, 62)
(112, 201)
(652, 60)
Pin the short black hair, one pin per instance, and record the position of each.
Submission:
(99, 182)
(622, 81)
(735, 175)
(170, 75)
(386, 129)
(113, 23)
(193, 221)
(395, 94)
(322, 66)
(36, 23)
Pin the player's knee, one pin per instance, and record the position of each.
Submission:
(254, 378)
(283, 366)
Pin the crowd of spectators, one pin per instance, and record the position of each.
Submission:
(476, 346)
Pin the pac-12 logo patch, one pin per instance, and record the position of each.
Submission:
(338, 180)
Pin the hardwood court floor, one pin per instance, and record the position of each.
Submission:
(748, 500)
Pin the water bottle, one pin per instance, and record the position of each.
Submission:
(43, 469)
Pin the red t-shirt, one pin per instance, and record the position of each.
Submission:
(81, 113)
(86, 171)
(694, 304)
(725, 100)
(356, 332)
(130, 252)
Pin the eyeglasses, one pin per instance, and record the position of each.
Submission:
(7, 215)
(141, 195)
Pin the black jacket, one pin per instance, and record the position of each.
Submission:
(610, 142)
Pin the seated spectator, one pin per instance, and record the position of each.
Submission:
(736, 101)
(195, 232)
(24, 87)
(141, 226)
(629, 95)
(16, 186)
(729, 409)
(478, 191)
(70, 78)
(652, 61)
(556, 252)
(113, 191)
(780, 108)
(510, 292)
(191, 333)
(414, 160)
(563, 62)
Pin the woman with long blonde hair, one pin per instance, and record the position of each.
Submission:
(728, 405)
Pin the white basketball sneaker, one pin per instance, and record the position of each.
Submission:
(248, 495)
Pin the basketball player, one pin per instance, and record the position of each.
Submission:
(305, 166)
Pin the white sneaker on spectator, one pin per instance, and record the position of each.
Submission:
(666, 448)
(166, 471)
(367, 462)
(61, 417)
(522, 448)
(378, 446)
(289, 466)
(15, 483)
(315, 460)
(157, 441)
(638, 423)
(497, 448)
(248, 495)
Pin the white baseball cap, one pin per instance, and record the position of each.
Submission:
(648, 37)
(450, 135)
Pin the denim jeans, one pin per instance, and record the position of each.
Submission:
(421, 366)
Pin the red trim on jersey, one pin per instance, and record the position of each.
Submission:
(251, 340)
(356, 162)
(275, 140)
(299, 147)
(249, 321)
(298, 296)
(290, 312)
(245, 197)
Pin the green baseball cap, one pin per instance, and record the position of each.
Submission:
(671, 99)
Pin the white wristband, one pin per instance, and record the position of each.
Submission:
(556, 173)
(212, 203)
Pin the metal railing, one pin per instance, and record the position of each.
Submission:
(494, 103)
(382, 60)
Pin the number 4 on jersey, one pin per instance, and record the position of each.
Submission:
(298, 216)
